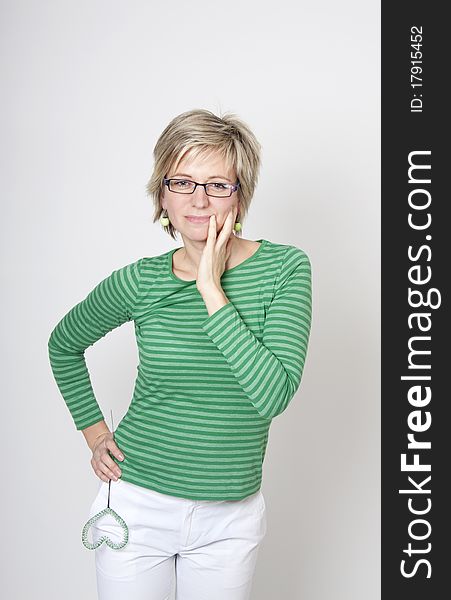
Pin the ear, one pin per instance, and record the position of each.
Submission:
(162, 201)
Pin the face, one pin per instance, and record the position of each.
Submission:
(204, 169)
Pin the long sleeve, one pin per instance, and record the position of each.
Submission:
(107, 306)
(269, 371)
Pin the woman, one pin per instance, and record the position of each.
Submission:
(222, 326)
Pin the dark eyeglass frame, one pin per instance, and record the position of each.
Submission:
(232, 187)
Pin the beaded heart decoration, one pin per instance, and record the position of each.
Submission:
(106, 511)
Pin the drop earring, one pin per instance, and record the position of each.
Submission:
(237, 226)
(164, 220)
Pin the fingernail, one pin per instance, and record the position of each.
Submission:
(121, 457)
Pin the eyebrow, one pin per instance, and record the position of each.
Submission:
(211, 176)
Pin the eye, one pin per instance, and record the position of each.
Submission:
(220, 186)
(180, 183)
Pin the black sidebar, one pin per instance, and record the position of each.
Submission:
(416, 259)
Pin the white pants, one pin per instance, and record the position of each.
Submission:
(202, 549)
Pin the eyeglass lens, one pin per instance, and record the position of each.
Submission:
(186, 187)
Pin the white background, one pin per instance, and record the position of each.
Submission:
(87, 88)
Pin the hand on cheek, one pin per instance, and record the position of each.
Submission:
(215, 254)
(220, 225)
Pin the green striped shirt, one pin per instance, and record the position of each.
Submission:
(207, 386)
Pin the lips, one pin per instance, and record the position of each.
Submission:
(193, 219)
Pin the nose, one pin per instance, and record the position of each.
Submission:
(199, 196)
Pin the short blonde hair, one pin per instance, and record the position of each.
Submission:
(199, 132)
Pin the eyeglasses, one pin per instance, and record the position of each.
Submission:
(185, 186)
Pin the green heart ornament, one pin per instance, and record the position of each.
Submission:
(104, 538)
(99, 515)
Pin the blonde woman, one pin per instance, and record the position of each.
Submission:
(222, 326)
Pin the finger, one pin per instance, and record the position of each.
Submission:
(106, 458)
(232, 227)
(211, 234)
(229, 248)
(101, 476)
(113, 448)
(103, 463)
(235, 213)
(227, 228)
(108, 469)
(113, 466)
